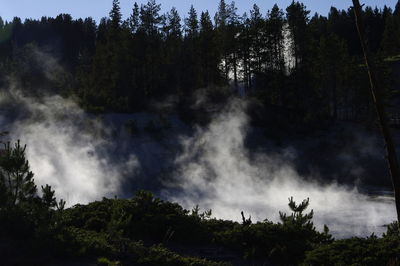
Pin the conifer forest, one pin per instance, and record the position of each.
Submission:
(236, 137)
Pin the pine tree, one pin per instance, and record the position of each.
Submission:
(221, 22)
(233, 30)
(172, 51)
(174, 24)
(192, 24)
(297, 18)
(244, 52)
(134, 19)
(396, 18)
(390, 44)
(190, 60)
(150, 18)
(209, 54)
(331, 65)
(222, 15)
(150, 51)
(257, 32)
(115, 14)
(275, 26)
(396, 11)
(298, 218)
(16, 179)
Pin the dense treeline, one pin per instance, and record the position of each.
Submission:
(302, 64)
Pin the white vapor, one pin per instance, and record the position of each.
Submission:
(217, 172)
(78, 156)
(66, 148)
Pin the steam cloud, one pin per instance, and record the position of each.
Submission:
(74, 152)
(217, 172)
(67, 149)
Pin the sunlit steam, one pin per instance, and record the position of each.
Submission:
(217, 172)
(66, 148)
(74, 152)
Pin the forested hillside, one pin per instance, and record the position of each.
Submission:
(307, 67)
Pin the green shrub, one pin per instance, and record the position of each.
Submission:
(106, 262)
(78, 242)
(142, 218)
(23, 213)
(282, 243)
(393, 230)
(158, 255)
(357, 251)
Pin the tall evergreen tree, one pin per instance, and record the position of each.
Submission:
(222, 15)
(390, 44)
(16, 179)
(150, 17)
(233, 30)
(192, 23)
(134, 19)
(174, 24)
(172, 51)
(208, 51)
(275, 29)
(151, 58)
(274, 56)
(244, 50)
(331, 65)
(297, 18)
(396, 11)
(258, 36)
(115, 14)
(221, 22)
(190, 65)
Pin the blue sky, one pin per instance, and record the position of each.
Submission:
(100, 8)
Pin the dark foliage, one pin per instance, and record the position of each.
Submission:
(357, 251)
(122, 65)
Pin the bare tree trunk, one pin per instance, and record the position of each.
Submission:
(380, 109)
(235, 75)
(226, 67)
(335, 97)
